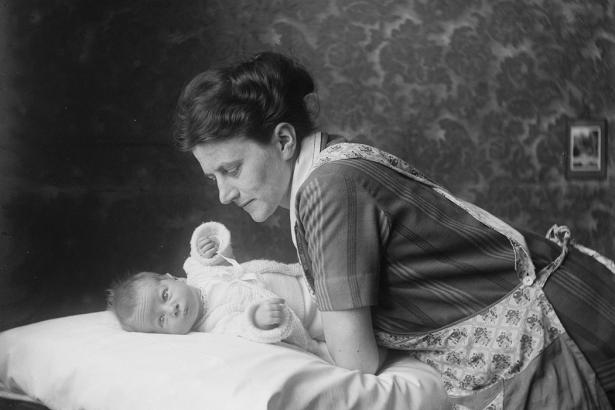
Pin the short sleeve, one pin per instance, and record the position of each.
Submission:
(340, 224)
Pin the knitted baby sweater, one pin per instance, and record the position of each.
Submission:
(232, 293)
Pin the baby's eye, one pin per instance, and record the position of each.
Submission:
(165, 295)
(161, 320)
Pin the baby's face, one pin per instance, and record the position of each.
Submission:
(168, 306)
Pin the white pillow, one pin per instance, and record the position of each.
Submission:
(88, 362)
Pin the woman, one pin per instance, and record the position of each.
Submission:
(395, 261)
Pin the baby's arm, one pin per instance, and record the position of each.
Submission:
(268, 313)
(270, 321)
(273, 323)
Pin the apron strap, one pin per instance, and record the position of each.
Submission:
(560, 234)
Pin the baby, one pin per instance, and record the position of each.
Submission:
(260, 300)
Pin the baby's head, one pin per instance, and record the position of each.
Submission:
(155, 303)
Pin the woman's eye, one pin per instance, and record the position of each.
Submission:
(165, 295)
(233, 171)
(210, 179)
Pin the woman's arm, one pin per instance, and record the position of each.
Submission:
(350, 339)
(341, 235)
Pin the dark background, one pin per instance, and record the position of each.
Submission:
(475, 93)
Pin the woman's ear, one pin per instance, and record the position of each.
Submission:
(286, 139)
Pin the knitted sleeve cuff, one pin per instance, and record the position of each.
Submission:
(252, 332)
(216, 232)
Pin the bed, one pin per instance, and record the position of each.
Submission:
(87, 362)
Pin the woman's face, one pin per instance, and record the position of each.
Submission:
(253, 176)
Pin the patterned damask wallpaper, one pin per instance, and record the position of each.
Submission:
(475, 93)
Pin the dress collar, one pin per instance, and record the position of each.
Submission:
(310, 149)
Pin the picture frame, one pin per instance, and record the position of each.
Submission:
(586, 149)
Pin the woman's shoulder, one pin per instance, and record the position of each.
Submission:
(333, 174)
(339, 181)
(341, 171)
(352, 166)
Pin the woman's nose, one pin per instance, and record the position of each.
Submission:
(227, 192)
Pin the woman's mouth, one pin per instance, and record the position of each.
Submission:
(246, 203)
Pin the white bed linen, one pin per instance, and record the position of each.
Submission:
(87, 362)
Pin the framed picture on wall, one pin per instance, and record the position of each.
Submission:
(586, 149)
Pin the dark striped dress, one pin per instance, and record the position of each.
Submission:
(369, 236)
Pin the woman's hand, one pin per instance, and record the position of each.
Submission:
(207, 247)
(351, 341)
(268, 313)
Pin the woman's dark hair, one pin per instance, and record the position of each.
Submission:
(247, 99)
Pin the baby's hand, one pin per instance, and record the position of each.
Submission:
(207, 247)
(268, 313)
